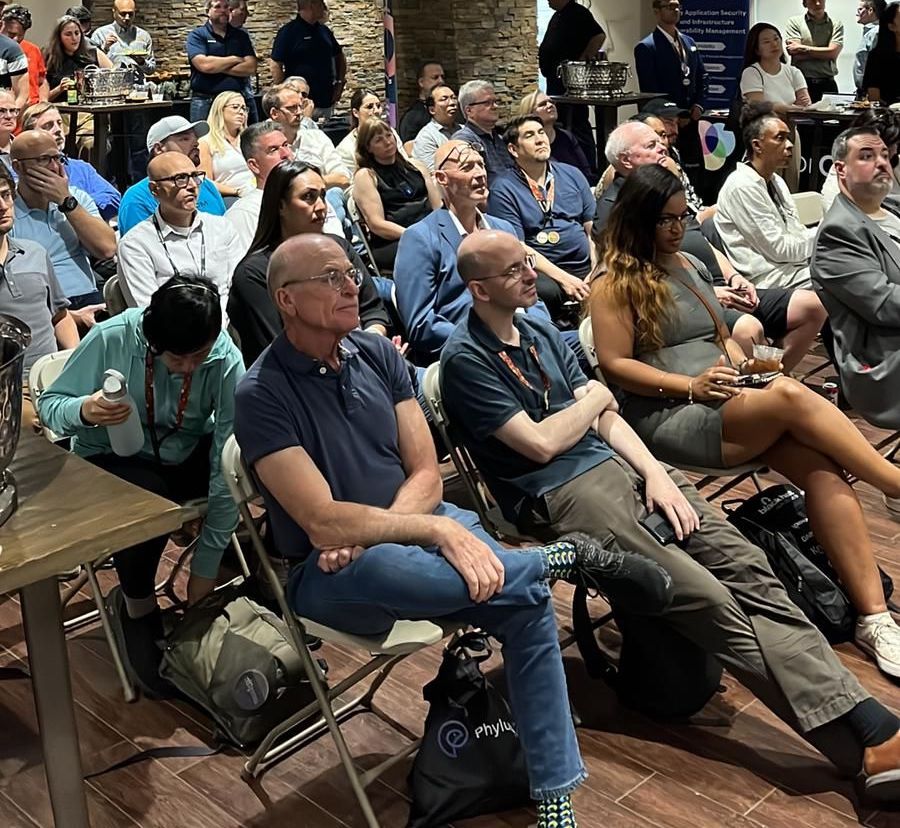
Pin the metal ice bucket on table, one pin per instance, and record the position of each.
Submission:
(594, 78)
(14, 339)
(96, 85)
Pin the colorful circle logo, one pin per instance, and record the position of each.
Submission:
(717, 142)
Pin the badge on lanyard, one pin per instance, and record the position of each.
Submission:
(542, 237)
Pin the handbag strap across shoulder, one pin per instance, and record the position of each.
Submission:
(722, 334)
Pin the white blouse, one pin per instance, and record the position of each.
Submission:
(781, 88)
(231, 170)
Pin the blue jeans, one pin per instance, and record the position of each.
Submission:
(200, 108)
(391, 581)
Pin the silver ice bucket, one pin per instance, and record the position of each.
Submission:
(14, 339)
(96, 85)
(594, 78)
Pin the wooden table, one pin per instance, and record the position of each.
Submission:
(606, 114)
(70, 512)
(118, 157)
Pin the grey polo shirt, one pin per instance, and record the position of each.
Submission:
(29, 291)
(815, 33)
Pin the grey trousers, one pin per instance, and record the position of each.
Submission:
(726, 600)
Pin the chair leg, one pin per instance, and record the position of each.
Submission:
(73, 587)
(167, 587)
(100, 601)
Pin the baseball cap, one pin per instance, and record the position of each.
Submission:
(172, 125)
(665, 109)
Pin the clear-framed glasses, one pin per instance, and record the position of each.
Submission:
(9, 112)
(516, 272)
(235, 106)
(47, 159)
(181, 180)
(462, 153)
(336, 279)
(667, 221)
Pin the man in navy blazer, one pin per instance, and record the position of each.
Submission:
(668, 61)
(431, 296)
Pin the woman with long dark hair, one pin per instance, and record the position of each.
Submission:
(881, 80)
(392, 192)
(293, 202)
(660, 338)
(181, 370)
(66, 52)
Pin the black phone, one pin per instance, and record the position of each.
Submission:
(756, 380)
(658, 525)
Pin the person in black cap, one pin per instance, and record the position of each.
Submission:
(572, 34)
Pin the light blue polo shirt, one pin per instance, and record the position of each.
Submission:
(52, 231)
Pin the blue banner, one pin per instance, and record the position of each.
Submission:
(720, 31)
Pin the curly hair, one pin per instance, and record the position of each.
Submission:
(633, 280)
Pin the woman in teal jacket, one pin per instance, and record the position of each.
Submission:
(181, 370)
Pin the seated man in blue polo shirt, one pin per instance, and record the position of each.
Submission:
(221, 57)
(554, 450)
(550, 205)
(327, 419)
(170, 134)
(431, 298)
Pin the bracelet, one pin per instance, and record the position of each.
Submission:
(691, 391)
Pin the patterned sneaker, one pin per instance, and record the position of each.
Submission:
(880, 638)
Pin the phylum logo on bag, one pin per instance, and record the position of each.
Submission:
(453, 735)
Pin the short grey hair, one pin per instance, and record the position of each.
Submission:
(621, 140)
(471, 91)
(251, 135)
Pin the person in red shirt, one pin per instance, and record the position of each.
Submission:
(15, 20)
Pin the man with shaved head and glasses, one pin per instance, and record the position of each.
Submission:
(177, 240)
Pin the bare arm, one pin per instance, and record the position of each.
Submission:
(595, 44)
(277, 71)
(19, 85)
(244, 69)
(210, 65)
(423, 489)
(543, 441)
(365, 193)
(44, 90)
(66, 330)
(95, 235)
(103, 60)
(434, 194)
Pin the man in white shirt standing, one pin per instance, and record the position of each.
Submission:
(755, 215)
(264, 147)
(177, 239)
(867, 14)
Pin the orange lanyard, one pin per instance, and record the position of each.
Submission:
(544, 198)
(517, 373)
(150, 400)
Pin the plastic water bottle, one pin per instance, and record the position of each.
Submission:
(126, 438)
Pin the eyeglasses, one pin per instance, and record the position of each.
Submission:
(336, 279)
(47, 160)
(293, 110)
(516, 272)
(461, 156)
(668, 222)
(180, 180)
(235, 106)
(9, 113)
(491, 102)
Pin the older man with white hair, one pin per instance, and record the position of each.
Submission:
(479, 104)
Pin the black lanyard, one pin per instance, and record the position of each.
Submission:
(187, 240)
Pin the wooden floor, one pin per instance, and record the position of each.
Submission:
(735, 766)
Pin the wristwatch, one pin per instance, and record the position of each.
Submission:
(68, 204)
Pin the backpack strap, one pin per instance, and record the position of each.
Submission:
(162, 752)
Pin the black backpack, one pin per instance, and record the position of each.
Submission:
(775, 520)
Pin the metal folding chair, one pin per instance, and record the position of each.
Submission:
(113, 296)
(386, 650)
(736, 474)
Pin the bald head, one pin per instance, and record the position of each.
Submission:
(169, 163)
(485, 253)
(31, 143)
(444, 150)
(301, 257)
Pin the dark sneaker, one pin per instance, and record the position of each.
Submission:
(139, 643)
(626, 579)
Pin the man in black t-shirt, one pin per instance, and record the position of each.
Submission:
(572, 34)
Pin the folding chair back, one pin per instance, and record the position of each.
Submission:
(809, 207)
(42, 375)
(385, 650)
(586, 338)
(360, 231)
(113, 296)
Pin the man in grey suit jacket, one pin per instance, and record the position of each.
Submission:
(855, 269)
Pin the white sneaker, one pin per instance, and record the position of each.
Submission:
(880, 638)
(892, 504)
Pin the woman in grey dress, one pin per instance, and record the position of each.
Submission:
(659, 336)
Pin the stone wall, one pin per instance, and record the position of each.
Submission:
(496, 40)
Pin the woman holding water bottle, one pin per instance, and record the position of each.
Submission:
(171, 367)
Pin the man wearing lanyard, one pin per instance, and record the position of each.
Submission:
(668, 62)
(176, 240)
(551, 207)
